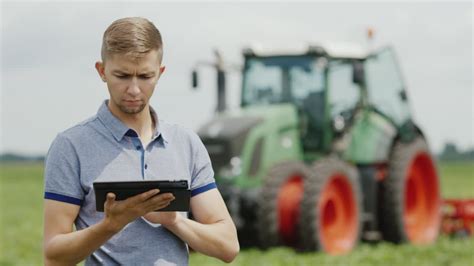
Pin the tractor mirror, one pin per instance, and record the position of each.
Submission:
(195, 79)
(403, 95)
(358, 73)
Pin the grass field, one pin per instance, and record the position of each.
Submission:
(21, 203)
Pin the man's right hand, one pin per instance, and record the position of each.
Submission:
(118, 213)
(62, 246)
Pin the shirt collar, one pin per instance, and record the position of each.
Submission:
(159, 130)
(119, 129)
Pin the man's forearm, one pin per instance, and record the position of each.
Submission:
(71, 248)
(217, 240)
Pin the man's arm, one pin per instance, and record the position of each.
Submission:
(213, 233)
(62, 246)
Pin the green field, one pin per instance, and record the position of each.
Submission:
(21, 203)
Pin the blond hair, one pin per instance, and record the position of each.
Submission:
(133, 37)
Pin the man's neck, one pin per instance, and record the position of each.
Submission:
(141, 122)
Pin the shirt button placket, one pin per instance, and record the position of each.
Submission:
(145, 166)
(138, 147)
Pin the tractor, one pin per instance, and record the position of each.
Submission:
(323, 151)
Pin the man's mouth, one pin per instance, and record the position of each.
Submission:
(132, 102)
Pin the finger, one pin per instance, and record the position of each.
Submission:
(157, 206)
(110, 198)
(158, 200)
(162, 197)
(144, 196)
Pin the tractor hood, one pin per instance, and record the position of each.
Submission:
(225, 135)
(228, 127)
(236, 124)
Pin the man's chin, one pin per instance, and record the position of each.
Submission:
(132, 111)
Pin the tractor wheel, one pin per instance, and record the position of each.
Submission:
(331, 208)
(279, 204)
(410, 209)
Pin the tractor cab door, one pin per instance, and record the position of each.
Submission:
(386, 112)
(344, 95)
(386, 89)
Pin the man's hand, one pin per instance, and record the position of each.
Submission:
(164, 218)
(119, 213)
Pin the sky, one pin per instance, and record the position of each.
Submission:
(48, 52)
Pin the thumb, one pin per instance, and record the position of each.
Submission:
(110, 199)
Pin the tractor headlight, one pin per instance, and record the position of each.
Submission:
(286, 142)
(234, 168)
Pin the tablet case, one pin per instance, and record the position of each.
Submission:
(125, 189)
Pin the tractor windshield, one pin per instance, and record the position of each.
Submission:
(281, 79)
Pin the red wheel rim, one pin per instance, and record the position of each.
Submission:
(289, 198)
(421, 215)
(338, 215)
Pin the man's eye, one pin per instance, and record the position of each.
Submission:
(122, 76)
(145, 77)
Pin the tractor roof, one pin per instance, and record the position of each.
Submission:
(335, 50)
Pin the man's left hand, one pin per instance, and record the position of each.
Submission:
(164, 218)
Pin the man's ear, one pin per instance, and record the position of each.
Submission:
(162, 69)
(99, 66)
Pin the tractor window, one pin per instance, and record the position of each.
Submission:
(343, 93)
(281, 79)
(263, 84)
(304, 82)
(385, 86)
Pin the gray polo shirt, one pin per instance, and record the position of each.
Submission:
(102, 148)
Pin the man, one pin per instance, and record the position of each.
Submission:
(125, 140)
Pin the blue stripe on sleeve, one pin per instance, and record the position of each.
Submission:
(202, 189)
(59, 197)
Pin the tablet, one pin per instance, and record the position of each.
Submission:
(125, 189)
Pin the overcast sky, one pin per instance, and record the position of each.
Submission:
(48, 51)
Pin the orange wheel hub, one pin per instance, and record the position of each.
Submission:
(289, 198)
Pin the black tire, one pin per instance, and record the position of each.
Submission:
(268, 227)
(327, 174)
(397, 195)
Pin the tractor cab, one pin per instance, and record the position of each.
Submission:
(325, 88)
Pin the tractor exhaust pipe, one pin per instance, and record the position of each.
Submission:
(219, 66)
(221, 84)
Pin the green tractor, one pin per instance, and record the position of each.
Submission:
(323, 152)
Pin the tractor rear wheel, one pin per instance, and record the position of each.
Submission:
(410, 209)
(331, 207)
(279, 204)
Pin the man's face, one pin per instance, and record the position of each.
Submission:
(131, 82)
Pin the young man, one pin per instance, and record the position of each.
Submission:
(125, 140)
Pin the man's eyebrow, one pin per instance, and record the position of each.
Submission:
(121, 72)
(147, 73)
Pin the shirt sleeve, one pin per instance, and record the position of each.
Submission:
(62, 173)
(202, 178)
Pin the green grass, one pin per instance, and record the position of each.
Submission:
(21, 207)
(445, 252)
(21, 211)
(457, 179)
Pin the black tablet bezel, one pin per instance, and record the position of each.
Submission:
(125, 189)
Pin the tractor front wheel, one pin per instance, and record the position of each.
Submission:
(331, 208)
(279, 204)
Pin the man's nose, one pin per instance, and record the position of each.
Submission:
(133, 87)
